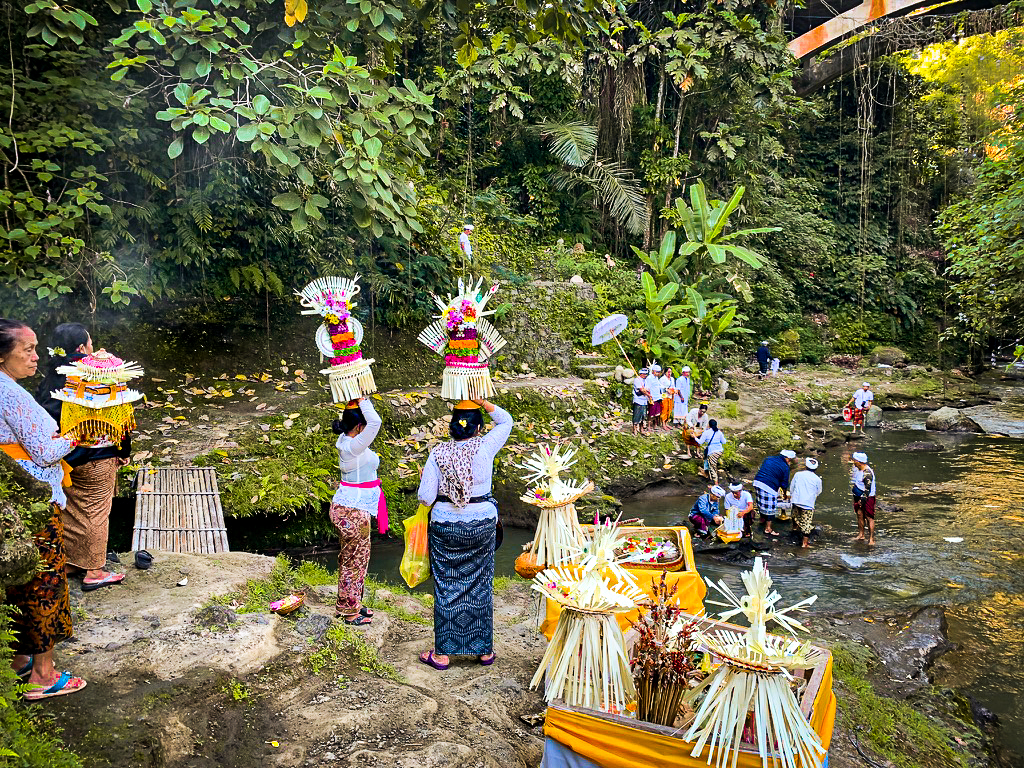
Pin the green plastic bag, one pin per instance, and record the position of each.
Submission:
(415, 567)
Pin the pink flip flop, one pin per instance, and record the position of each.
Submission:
(427, 657)
(487, 662)
(60, 688)
(107, 581)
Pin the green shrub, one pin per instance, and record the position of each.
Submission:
(27, 743)
(813, 349)
(849, 336)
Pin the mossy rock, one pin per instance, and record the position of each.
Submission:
(24, 509)
(888, 356)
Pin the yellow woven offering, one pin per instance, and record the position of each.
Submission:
(97, 404)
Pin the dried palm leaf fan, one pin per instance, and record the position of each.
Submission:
(340, 336)
(97, 404)
(585, 663)
(466, 340)
(754, 681)
(558, 530)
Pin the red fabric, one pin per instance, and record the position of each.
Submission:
(382, 503)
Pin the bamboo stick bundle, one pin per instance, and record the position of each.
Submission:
(558, 532)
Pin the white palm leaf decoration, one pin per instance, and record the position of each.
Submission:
(558, 528)
(314, 296)
(755, 677)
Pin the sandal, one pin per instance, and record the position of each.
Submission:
(107, 581)
(66, 683)
(364, 611)
(25, 671)
(359, 621)
(427, 657)
(487, 662)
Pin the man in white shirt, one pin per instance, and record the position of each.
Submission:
(653, 384)
(739, 508)
(641, 398)
(696, 422)
(464, 245)
(861, 401)
(804, 489)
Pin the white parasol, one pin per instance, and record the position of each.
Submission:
(609, 328)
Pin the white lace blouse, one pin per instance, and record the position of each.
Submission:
(26, 422)
(359, 464)
(483, 468)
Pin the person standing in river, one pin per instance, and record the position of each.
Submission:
(804, 489)
(861, 401)
(461, 537)
(357, 500)
(863, 486)
(772, 478)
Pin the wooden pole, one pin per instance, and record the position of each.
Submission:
(624, 355)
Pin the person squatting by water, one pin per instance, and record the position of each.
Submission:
(863, 487)
(739, 510)
(461, 536)
(641, 398)
(705, 511)
(772, 478)
(357, 500)
(86, 518)
(804, 489)
(30, 436)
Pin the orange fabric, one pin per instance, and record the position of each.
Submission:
(15, 451)
(613, 744)
(463, 344)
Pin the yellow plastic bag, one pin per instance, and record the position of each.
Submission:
(415, 567)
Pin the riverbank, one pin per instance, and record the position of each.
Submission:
(202, 675)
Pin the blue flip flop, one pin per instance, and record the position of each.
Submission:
(25, 671)
(59, 688)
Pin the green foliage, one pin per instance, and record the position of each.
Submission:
(29, 735)
(849, 335)
(775, 434)
(343, 642)
(283, 580)
(238, 691)
(891, 727)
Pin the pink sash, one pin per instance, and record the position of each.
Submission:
(382, 503)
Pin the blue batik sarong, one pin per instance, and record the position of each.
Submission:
(462, 564)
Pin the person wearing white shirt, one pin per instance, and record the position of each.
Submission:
(861, 401)
(681, 399)
(804, 489)
(864, 487)
(695, 424)
(357, 500)
(653, 384)
(713, 442)
(464, 245)
(641, 399)
(739, 508)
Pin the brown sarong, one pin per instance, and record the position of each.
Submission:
(87, 517)
(43, 616)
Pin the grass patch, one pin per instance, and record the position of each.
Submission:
(776, 434)
(342, 643)
(238, 691)
(284, 579)
(891, 727)
(504, 583)
(397, 611)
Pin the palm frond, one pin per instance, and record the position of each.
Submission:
(572, 141)
(618, 189)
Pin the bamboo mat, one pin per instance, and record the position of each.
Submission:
(177, 509)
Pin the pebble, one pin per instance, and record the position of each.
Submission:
(329, 756)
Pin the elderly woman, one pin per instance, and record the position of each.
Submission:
(29, 435)
(461, 536)
(86, 518)
(357, 500)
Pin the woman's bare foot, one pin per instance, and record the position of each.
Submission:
(859, 537)
(871, 542)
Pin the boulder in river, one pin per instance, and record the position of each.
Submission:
(924, 446)
(948, 419)
(873, 417)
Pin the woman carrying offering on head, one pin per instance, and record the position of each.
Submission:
(457, 482)
(29, 435)
(357, 500)
(86, 518)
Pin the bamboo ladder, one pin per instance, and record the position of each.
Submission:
(178, 509)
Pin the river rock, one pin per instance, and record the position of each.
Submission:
(948, 419)
(924, 446)
(212, 616)
(873, 417)
(314, 625)
(907, 646)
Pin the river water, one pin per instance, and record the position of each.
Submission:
(971, 492)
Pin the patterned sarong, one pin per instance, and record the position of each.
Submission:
(353, 527)
(86, 519)
(462, 564)
(43, 617)
(767, 503)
